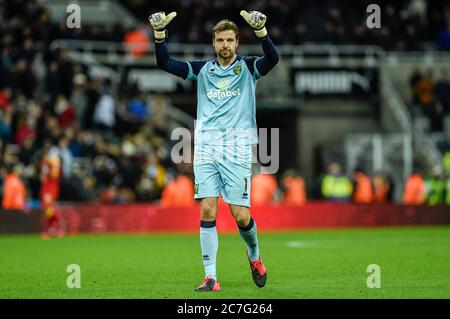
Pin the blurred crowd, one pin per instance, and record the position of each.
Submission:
(112, 144)
(405, 24)
(431, 96)
(431, 100)
(334, 185)
(432, 188)
(112, 149)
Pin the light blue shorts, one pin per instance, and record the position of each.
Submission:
(224, 170)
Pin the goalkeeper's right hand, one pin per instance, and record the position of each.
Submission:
(159, 21)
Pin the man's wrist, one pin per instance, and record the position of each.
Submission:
(160, 35)
(261, 33)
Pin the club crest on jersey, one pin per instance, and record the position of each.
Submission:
(237, 69)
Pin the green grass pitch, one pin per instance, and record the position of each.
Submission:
(415, 263)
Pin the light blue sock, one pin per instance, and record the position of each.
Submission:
(250, 236)
(209, 243)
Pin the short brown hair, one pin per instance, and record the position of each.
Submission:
(224, 25)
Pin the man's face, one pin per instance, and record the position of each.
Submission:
(225, 44)
(334, 169)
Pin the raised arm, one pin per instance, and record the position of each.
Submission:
(166, 63)
(265, 63)
(257, 21)
(159, 21)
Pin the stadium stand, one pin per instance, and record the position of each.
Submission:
(112, 124)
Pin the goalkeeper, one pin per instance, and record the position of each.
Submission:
(225, 132)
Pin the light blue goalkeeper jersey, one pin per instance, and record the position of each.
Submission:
(226, 106)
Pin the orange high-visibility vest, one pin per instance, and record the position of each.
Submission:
(363, 191)
(414, 193)
(380, 189)
(137, 43)
(295, 191)
(14, 193)
(179, 192)
(264, 187)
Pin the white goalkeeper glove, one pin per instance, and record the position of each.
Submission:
(257, 21)
(159, 22)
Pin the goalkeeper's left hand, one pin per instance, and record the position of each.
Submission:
(257, 21)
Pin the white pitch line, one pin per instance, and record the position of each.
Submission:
(300, 244)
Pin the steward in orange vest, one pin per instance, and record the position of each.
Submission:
(414, 193)
(14, 191)
(294, 185)
(363, 189)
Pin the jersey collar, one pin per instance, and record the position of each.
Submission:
(238, 58)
